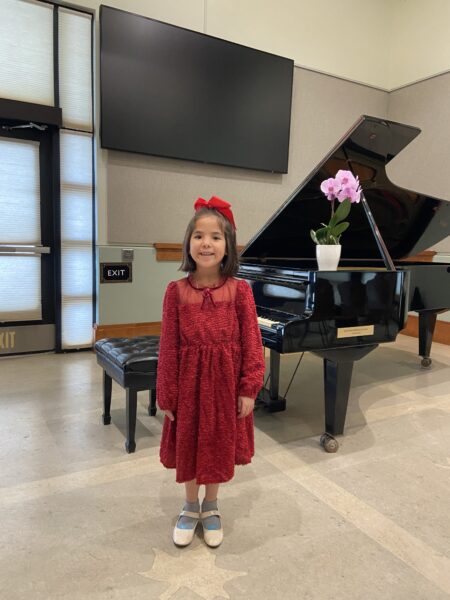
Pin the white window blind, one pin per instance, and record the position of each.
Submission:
(26, 51)
(20, 276)
(76, 239)
(75, 69)
(20, 288)
(20, 221)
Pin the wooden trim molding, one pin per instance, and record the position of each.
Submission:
(425, 256)
(168, 252)
(441, 331)
(126, 330)
(174, 252)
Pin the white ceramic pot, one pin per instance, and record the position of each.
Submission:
(328, 256)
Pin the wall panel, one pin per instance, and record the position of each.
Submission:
(150, 199)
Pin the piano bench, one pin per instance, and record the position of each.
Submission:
(132, 363)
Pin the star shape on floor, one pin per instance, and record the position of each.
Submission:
(194, 569)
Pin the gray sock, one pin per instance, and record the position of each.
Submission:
(214, 521)
(189, 522)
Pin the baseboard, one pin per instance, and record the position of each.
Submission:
(126, 330)
(441, 331)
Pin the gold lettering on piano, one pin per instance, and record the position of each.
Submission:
(7, 340)
(345, 332)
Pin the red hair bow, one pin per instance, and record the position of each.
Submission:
(217, 204)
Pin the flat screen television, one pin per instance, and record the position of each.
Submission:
(172, 92)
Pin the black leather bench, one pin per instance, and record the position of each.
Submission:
(132, 363)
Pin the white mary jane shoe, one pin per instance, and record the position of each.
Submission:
(183, 537)
(212, 537)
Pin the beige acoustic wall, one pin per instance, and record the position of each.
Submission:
(382, 43)
(425, 164)
(150, 199)
(313, 34)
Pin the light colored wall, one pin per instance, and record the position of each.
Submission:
(419, 44)
(383, 43)
(320, 35)
(298, 29)
(348, 38)
(184, 13)
(141, 300)
(424, 165)
(150, 199)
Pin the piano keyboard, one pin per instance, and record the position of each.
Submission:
(267, 322)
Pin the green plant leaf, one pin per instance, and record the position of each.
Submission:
(342, 212)
(322, 235)
(332, 221)
(313, 236)
(340, 228)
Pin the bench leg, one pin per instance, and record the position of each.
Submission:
(130, 444)
(107, 384)
(152, 403)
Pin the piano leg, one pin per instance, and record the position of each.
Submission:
(337, 380)
(270, 398)
(427, 323)
(337, 373)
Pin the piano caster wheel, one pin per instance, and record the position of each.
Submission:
(329, 443)
(151, 411)
(426, 363)
(130, 447)
(106, 419)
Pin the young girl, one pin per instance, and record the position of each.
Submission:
(210, 369)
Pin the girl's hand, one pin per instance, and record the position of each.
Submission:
(245, 406)
(169, 414)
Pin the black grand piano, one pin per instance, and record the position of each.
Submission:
(343, 315)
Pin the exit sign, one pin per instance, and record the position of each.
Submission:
(116, 272)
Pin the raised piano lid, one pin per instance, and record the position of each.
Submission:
(408, 222)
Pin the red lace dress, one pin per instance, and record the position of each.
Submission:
(210, 353)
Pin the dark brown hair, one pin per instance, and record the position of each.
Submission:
(230, 262)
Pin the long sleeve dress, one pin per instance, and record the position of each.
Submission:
(210, 353)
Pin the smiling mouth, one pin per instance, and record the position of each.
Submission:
(206, 253)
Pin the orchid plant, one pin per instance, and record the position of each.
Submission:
(344, 188)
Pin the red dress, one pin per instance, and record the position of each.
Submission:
(210, 353)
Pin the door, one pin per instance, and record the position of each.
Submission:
(27, 286)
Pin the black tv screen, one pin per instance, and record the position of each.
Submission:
(173, 92)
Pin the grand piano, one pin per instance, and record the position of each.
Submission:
(343, 315)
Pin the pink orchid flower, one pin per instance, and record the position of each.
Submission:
(330, 187)
(346, 190)
(353, 194)
(346, 179)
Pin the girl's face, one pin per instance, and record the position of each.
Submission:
(207, 246)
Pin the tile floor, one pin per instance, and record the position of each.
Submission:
(82, 520)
